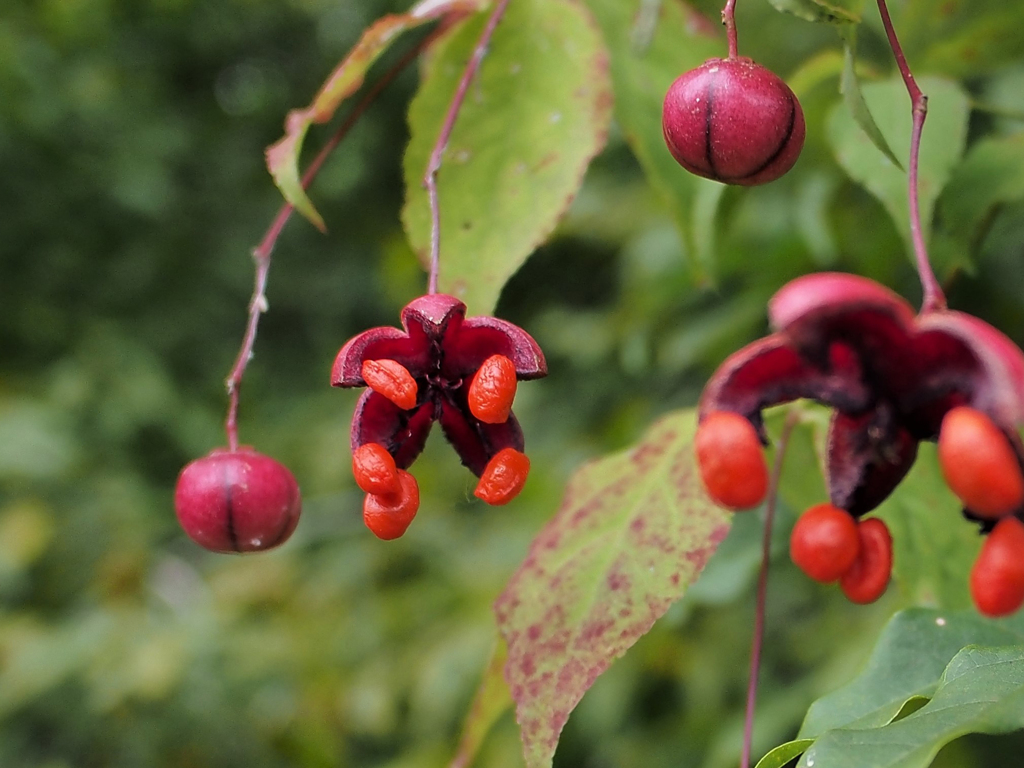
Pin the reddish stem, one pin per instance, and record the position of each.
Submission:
(762, 586)
(434, 164)
(729, 19)
(934, 299)
(261, 253)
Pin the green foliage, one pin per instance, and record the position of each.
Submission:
(641, 75)
(854, 97)
(980, 692)
(941, 145)
(933, 677)
(283, 157)
(934, 547)
(959, 38)
(991, 175)
(133, 189)
(491, 701)
(519, 149)
(827, 11)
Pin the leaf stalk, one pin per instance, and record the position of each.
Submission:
(434, 163)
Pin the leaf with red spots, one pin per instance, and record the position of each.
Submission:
(634, 530)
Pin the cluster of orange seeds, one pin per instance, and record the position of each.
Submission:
(978, 463)
(392, 494)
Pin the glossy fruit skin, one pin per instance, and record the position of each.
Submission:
(492, 390)
(393, 380)
(389, 515)
(731, 461)
(237, 501)
(504, 477)
(824, 543)
(868, 577)
(979, 464)
(374, 469)
(997, 578)
(733, 121)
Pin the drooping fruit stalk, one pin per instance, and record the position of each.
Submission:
(261, 254)
(434, 163)
(934, 298)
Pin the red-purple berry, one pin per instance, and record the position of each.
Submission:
(733, 121)
(237, 501)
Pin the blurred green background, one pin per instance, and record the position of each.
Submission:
(132, 189)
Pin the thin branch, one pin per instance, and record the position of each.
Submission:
(729, 19)
(762, 585)
(434, 164)
(934, 299)
(261, 253)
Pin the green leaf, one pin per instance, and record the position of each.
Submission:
(934, 547)
(490, 702)
(681, 41)
(634, 530)
(520, 147)
(831, 12)
(960, 38)
(911, 664)
(348, 76)
(981, 691)
(849, 85)
(942, 145)
(784, 754)
(992, 173)
(821, 67)
(908, 660)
